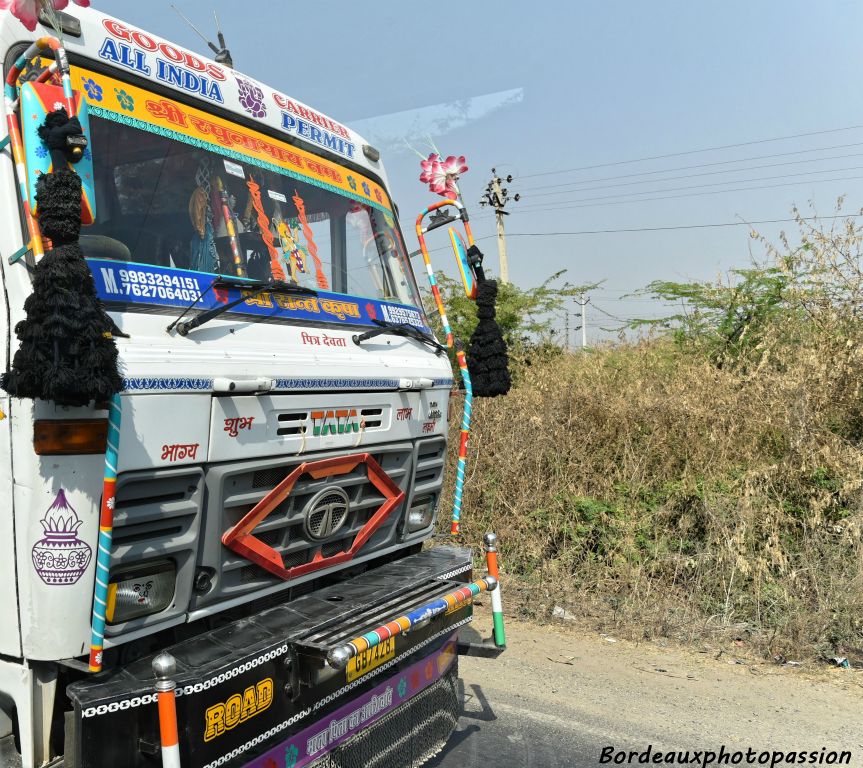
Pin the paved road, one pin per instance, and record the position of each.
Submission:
(510, 735)
(556, 699)
(514, 729)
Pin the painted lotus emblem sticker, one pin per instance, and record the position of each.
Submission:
(61, 557)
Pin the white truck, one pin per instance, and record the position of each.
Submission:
(278, 472)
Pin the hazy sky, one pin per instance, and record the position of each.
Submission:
(581, 84)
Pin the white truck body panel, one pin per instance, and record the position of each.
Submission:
(170, 379)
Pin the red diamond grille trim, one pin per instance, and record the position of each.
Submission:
(239, 538)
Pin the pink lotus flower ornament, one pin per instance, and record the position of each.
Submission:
(428, 167)
(442, 175)
(27, 11)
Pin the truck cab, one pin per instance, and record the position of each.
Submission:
(277, 475)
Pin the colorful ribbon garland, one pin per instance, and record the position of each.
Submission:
(321, 278)
(264, 225)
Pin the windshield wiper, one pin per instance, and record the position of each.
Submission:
(399, 329)
(257, 286)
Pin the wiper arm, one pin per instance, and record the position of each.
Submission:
(257, 286)
(399, 329)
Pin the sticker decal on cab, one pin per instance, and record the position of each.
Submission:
(237, 709)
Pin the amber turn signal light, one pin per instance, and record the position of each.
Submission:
(69, 437)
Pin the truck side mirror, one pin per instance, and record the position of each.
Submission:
(465, 266)
(37, 100)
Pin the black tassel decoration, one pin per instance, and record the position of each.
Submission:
(67, 352)
(487, 358)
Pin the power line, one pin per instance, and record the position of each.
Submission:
(543, 208)
(711, 173)
(709, 184)
(691, 152)
(704, 165)
(681, 226)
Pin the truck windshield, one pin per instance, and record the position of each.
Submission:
(167, 199)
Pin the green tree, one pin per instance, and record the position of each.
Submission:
(726, 319)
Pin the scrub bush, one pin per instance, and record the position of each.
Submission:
(705, 481)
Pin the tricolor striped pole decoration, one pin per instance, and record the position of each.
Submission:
(339, 656)
(164, 668)
(490, 541)
(455, 344)
(463, 438)
(106, 531)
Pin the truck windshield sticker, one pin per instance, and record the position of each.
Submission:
(166, 287)
(157, 114)
(174, 187)
(138, 51)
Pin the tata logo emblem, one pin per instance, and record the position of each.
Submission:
(337, 421)
(327, 513)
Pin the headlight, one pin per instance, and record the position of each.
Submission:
(139, 591)
(421, 513)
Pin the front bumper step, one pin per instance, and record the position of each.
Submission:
(248, 685)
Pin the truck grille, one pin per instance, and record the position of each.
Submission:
(181, 514)
(234, 489)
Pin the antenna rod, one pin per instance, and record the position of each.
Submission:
(197, 31)
(219, 29)
(223, 56)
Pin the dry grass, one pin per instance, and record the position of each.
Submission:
(664, 496)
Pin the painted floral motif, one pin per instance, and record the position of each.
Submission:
(403, 687)
(27, 11)
(352, 182)
(366, 189)
(291, 754)
(442, 175)
(41, 151)
(125, 100)
(61, 557)
(251, 98)
(94, 90)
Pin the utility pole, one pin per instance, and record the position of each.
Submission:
(583, 304)
(497, 197)
(566, 329)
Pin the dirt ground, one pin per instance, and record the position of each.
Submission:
(560, 694)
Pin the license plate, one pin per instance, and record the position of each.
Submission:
(370, 659)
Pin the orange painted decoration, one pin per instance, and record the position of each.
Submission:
(264, 225)
(310, 241)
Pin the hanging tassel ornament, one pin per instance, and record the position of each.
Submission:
(67, 352)
(487, 356)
